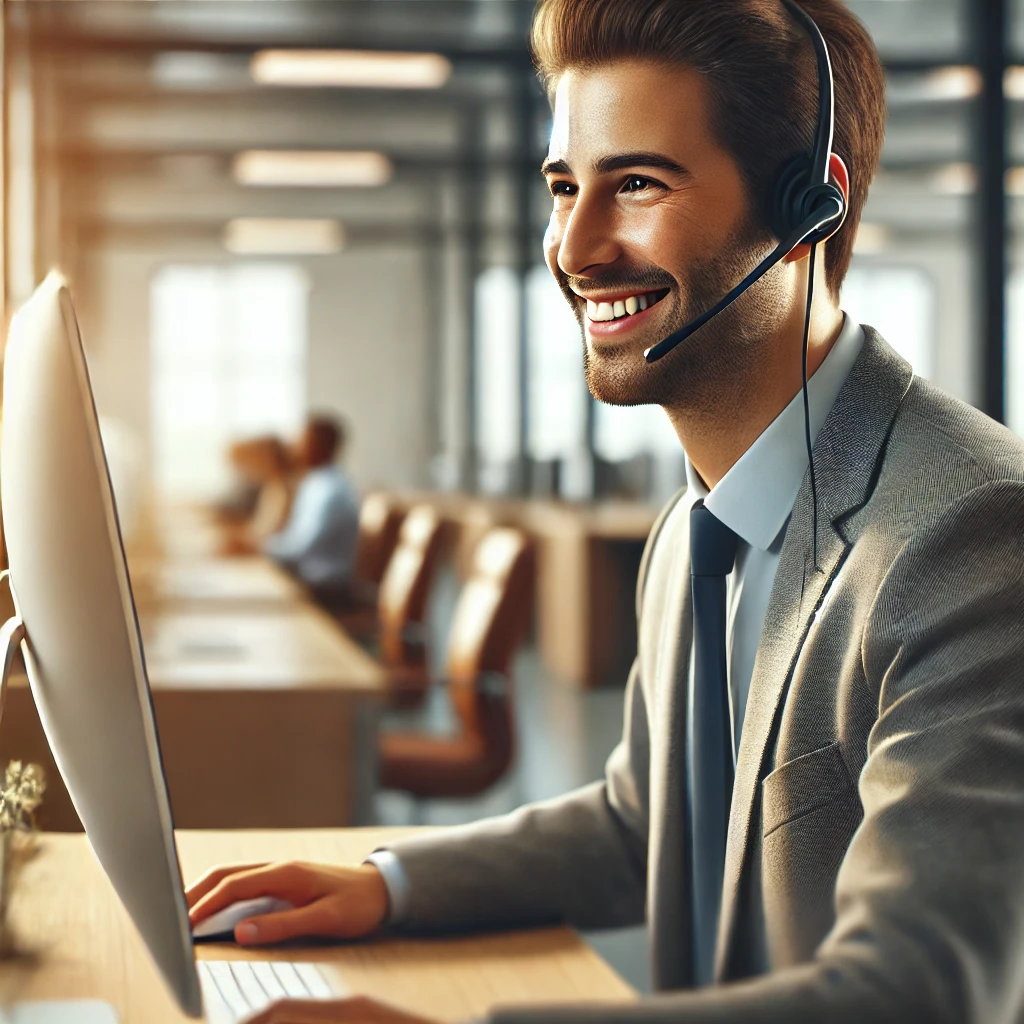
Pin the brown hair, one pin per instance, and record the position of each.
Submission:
(759, 65)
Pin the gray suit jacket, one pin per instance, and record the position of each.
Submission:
(879, 797)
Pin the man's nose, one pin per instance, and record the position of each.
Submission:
(588, 240)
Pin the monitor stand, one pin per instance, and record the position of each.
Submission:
(65, 1011)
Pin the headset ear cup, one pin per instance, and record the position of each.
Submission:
(787, 206)
(796, 199)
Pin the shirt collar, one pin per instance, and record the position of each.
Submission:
(755, 498)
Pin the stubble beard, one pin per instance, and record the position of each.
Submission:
(723, 358)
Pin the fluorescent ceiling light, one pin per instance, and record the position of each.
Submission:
(255, 236)
(1015, 181)
(953, 83)
(959, 179)
(1013, 83)
(352, 68)
(311, 168)
(871, 239)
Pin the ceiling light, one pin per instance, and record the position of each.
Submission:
(1013, 83)
(959, 179)
(254, 236)
(953, 83)
(311, 168)
(871, 239)
(1015, 181)
(353, 68)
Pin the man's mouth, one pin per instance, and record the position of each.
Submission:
(609, 310)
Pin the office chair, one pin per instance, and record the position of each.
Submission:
(402, 604)
(380, 519)
(490, 620)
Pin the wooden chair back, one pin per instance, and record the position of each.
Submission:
(405, 588)
(491, 618)
(380, 519)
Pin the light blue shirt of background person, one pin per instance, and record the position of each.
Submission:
(318, 542)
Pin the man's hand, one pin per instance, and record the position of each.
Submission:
(337, 903)
(359, 1010)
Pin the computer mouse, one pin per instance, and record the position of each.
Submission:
(221, 925)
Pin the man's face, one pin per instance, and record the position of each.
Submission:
(650, 227)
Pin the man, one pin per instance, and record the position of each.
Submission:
(317, 544)
(872, 869)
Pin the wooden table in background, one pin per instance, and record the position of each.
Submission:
(588, 557)
(214, 585)
(586, 585)
(265, 721)
(80, 944)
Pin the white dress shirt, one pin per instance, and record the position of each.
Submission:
(754, 499)
(318, 542)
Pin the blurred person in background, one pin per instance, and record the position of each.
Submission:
(317, 543)
(266, 469)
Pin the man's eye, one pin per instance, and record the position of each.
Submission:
(563, 188)
(636, 184)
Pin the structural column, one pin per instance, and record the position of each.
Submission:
(989, 27)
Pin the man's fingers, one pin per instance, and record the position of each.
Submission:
(358, 1010)
(280, 880)
(300, 1011)
(199, 888)
(322, 918)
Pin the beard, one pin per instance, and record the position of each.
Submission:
(723, 357)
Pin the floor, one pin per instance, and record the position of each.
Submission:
(564, 737)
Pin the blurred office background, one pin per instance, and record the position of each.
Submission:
(267, 207)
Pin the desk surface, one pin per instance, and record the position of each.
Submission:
(214, 584)
(79, 942)
(298, 647)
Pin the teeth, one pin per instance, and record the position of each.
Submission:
(602, 312)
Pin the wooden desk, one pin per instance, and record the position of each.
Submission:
(82, 945)
(586, 582)
(214, 585)
(265, 721)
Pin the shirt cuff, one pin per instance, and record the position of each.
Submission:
(396, 881)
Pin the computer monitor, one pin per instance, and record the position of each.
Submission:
(82, 647)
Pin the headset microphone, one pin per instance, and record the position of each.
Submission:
(832, 211)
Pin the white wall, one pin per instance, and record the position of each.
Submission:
(369, 345)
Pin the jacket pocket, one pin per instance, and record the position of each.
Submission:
(803, 785)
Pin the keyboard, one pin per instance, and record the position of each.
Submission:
(234, 989)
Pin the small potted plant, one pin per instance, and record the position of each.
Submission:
(20, 797)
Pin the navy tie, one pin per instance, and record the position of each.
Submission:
(709, 742)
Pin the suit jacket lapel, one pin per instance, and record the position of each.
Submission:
(669, 867)
(846, 455)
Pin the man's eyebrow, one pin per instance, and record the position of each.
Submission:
(554, 167)
(619, 162)
(623, 161)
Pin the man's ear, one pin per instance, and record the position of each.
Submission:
(839, 175)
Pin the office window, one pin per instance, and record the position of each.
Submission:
(900, 303)
(557, 391)
(497, 374)
(228, 361)
(1015, 354)
(623, 432)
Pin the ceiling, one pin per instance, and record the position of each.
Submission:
(144, 104)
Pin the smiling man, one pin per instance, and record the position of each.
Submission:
(818, 802)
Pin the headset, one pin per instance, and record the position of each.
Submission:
(806, 208)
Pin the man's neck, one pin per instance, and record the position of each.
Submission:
(716, 435)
